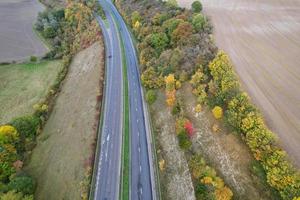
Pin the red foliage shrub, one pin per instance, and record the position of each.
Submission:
(189, 128)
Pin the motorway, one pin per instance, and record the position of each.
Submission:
(109, 164)
(142, 184)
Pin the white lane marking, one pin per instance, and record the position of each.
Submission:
(107, 139)
(137, 120)
(141, 190)
(139, 149)
(140, 168)
(138, 134)
(136, 109)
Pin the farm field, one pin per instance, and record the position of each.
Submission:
(23, 85)
(17, 39)
(263, 41)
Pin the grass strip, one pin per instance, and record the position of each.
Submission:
(125, 154)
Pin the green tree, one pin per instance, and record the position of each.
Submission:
(26, 125)
(184, 141)
(196, 7)
(23, 184)
(151, 96)
(199, 22)
(159, 41)
(49, 32)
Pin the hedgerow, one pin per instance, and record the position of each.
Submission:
(243, 117)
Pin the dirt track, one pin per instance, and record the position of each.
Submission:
(17, 39)
(263, 40)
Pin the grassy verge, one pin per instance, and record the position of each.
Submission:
(125, 153)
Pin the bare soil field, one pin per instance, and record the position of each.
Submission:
(17, 39)
(64, 148)
(23, 85)
(263, 41)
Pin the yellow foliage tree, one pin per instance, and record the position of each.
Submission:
(198, 108)
(217, 112)
(223, 193)
(251, 121)
(207, 180)
(170, 90)
(197, 78)
(8, 134)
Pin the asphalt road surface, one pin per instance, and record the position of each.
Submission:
(109, 165)
(17, 39)
(142, 177)
(263, 40)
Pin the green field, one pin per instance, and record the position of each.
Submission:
(23, 85)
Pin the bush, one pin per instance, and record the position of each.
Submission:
(23, 184)
(49, 32)
(151, 96)
(13, 195)
(184, 141)
(196, 7)
(176, 108)
(33, 58)
(217, 112)
(207, 184)
(26, 126)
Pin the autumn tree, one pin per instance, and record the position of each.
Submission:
(170, 82)
(182, 33)
(135, 17)
(170, 61)
(9, 138)
(170, 25)
(159, 18)
(197, 78)
(224, 78)
(151, 80)
(237, 110)
(217, 112)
